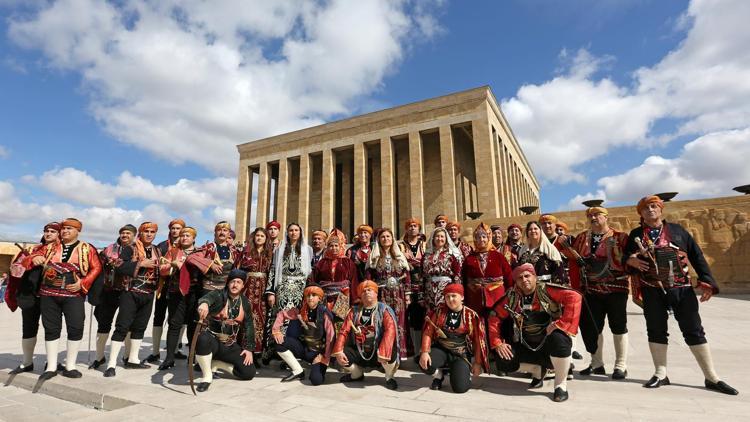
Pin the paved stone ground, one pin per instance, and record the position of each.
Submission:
(148, 394)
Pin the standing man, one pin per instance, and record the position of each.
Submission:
(69, 268)
(114, 285)
(273, 228)
(359, 252)
(497, 236)
(413, 247)
(161, 300)
(454, 232)
(318, 246)
(441, 221)
(513, 244)
(140, 267)
(659, 253)
(23, 292)
(486, 273)
(215, 260)
(605, 287)
(368, 338)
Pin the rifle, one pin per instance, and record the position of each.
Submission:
(579, 260)
(649, 254)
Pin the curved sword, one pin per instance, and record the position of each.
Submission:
(191, 355)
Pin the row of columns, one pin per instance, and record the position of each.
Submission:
(498, 182)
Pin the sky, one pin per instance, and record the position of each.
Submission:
(125, 111)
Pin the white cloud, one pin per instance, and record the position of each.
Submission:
(190, 80)
(77, 185)
(4, 153)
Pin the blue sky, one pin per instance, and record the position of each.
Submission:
(139, 104)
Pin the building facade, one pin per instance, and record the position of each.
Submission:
(449, 155)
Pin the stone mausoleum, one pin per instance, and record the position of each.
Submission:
(450, 155)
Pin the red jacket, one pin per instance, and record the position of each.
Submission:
(485, 286)
(471, 326)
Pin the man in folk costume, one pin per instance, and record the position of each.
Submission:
(161, 301)
(140, 267)
(441, 221)
(454, 231)
(273, 229)
(413, 246)
(497, 236)
(513, 244)
(561, 229)
(336, 275)
(23, 292)
(605, 287)
(114, 285)
(215, 260)
(658, 253)
(228, 341)
(359, 252)
(486, 273)
(69, 268)
(182, 292)
(318, 244)
(453, 336)
(368, 338)
(534, 324)
(309, 336)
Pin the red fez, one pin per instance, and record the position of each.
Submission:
(72, 222)
(522, 269)
(53, 225)
(648, 200)
(454, 288)
(367, 284)
(516, 226)
(273, 223)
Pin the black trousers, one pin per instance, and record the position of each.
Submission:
(459, 368)
(558, 344)
(54, 307)
(597, 307)
(352, 354)
(684, 305)
(30, 319)
(301, 351)
(135, 311)
(160, 309)
(106, 310)
(182, 310)
(208, 343)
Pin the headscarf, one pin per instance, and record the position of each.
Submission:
(454, 288)
(563, 225)
(188, 229)
(306, 253)
(453, 224)
(366, 284)
(452, 249)
(396, 253)
(648, 200)
(486, 229)
(548, 218)
(273, 223)
(237, 273)
(517, 226)
(313, 290)
(364, 227)
(221, 225)
(410, 221)
(440, 217)
(72, 222)
(179, 221)
(522, 269)
(140, 248)
(320, 232)
(495, 227)
(54, 225)
(546, 247)
(338, 236)
(596, 210)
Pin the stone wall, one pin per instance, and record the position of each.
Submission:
(720, 226)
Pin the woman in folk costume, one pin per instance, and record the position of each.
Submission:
(441, 266)
(546, 259)
(486, 273)
(336, 275)
(287, 278)
(389, 269)
(255, 260)
(359, 252)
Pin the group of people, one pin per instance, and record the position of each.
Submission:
(501, 305)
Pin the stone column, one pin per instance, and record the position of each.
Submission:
(386, 182)
(244, 193)
(448, 173)
(282, 191)
(360, 184)
(262, 211)
(304, 191)
(328, 191)
(485, 168)
(415, 177)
